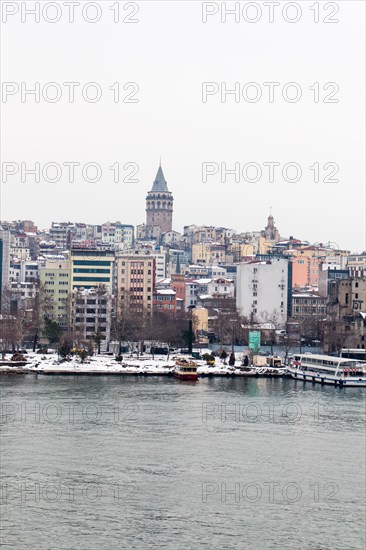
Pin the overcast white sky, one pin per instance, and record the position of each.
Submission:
(169, 53)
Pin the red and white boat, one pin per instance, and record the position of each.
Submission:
(185, 370)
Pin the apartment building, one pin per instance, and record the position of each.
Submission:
(135, 282)
(91, 314)
(165, 299)
(55, 282)
(92, 268)
(4, 257)
(22, 271)
(307, 305)
(120, 236)
(346, 314)
(263, 289)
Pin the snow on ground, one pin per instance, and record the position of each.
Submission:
(129, 365)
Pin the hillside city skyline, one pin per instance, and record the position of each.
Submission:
(262, 214)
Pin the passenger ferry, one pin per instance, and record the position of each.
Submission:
(185, 370)
(327, 369)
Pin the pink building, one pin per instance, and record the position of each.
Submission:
(305, 271)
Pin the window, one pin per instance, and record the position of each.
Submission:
(89, 270)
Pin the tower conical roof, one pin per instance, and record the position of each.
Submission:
(160, 185)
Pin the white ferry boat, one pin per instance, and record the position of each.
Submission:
(327, 369)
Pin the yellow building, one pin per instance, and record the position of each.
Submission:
(210, 253)
(264, 246)
(201, 318)
(55, 280)
(240, 250)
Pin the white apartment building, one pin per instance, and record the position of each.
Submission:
(191, 294)
(91, 314)
(221, 287)
(262, 290)
(120, 236)
(22, 271)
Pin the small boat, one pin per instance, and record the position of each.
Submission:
(185, 370)
(327, 369)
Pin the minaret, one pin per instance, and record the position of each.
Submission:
(159, 204)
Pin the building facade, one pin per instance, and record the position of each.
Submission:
(4, 258)
(55, 282)
(91, 268)
(165, 300)
(262, 290)
(91, 315)
(345, 326)
(135, 282)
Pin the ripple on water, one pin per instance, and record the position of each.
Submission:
(182, 466)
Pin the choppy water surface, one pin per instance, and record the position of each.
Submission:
(112, 462)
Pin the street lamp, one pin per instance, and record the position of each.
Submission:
(232, 321)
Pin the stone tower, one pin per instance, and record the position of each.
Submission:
(271, 232)
(159, 204)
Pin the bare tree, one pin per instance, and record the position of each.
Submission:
(228, 326)
(128, 322)
(271, 319)
(7, 322)
(170, 328)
